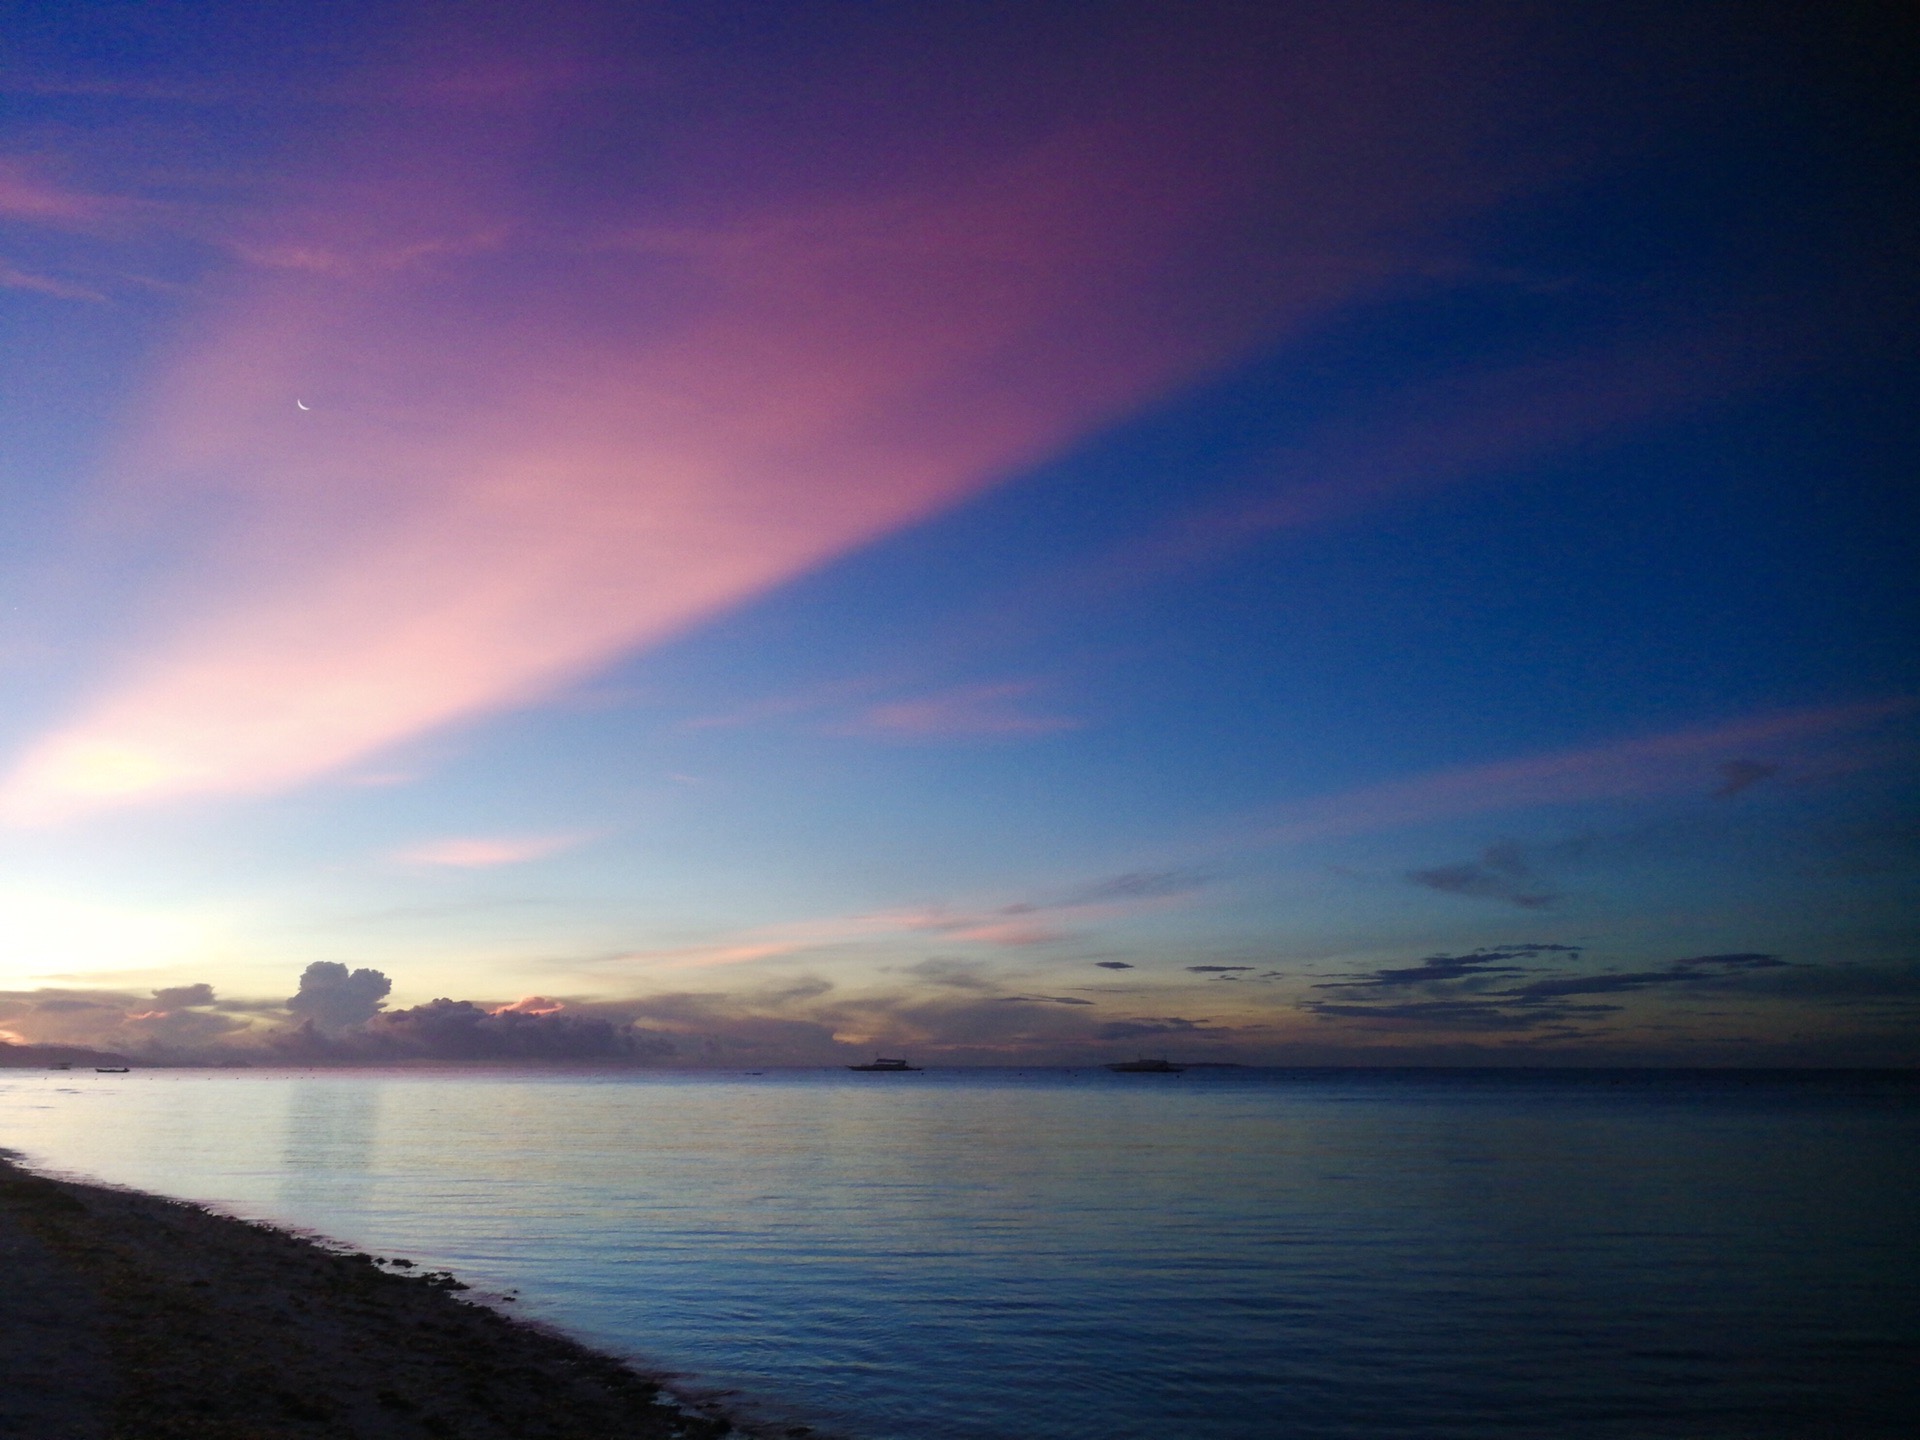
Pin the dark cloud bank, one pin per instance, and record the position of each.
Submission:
(338, 1016)
(1501, 873)
(341, 1019)
(1488, 990)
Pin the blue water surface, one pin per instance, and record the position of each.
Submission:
(1075, 1255)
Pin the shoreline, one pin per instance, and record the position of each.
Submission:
(131, 1316)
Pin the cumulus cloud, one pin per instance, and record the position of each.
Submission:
(460, 1030)
(334, 998)
(177, 1023)
(758, 1026)
(1533, 994)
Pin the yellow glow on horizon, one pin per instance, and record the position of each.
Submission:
(82, 768)
(43, 936)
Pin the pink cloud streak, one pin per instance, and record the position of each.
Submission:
(474, 852)
(991, 710)
(1674, 763)
(537, 442)
(28, 195)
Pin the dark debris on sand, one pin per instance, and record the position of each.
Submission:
(132, 1317)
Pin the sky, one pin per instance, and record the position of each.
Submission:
(727, 534)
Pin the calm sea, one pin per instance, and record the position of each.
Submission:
(1073, 1255)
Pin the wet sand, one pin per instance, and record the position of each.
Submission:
(126, 1316)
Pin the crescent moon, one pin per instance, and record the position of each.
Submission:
(303, 404)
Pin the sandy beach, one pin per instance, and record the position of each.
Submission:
(126, 1316)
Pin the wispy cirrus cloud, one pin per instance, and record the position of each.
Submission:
(485, 852)
(13, 278)
(1441, 969)
(1677, 762)
(1739, 775)
(967, 711)
(1501, 873)
(1489, 990)
(1012, 927)
(29, 194)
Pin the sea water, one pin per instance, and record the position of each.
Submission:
(1077, 1255)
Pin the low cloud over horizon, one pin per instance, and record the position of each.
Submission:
(1537, 1002)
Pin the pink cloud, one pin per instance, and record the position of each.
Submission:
(28, 195)
(969, 710)
(14, 279)
(477, 853)
(1456, 431)
(1009, 927)
(1679, 762)
(541, 437)
(1017, 925)
(530, 1005)
(381, 779)
(1010, 934)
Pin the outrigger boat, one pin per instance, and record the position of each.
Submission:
(885, 1066)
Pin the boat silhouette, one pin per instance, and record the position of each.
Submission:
(885, 1067)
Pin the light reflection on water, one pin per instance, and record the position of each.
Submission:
(1070, 1255)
